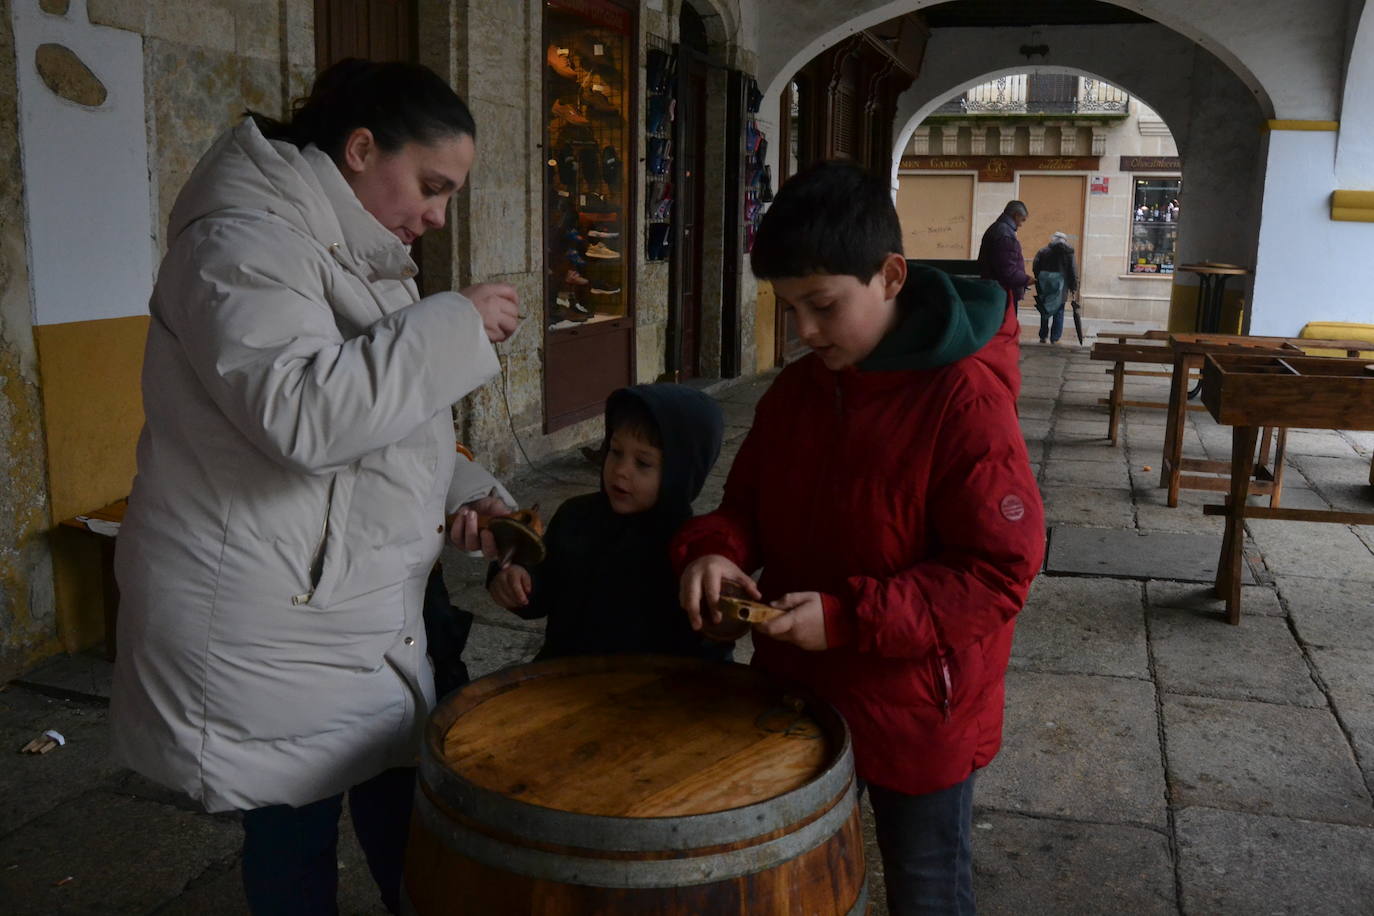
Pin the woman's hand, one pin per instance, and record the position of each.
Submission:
(511, 587)
(463, 532)
(703, 578)
(804, 623)
(499, 306)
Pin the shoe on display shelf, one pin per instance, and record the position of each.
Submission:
(573, 278)
(602, 252)
(597, 291)
(610, 168)
(560, 62)
(589, 161)
(602, 234)
(569, 112)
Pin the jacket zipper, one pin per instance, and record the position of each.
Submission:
(317, 559)
(945, 684)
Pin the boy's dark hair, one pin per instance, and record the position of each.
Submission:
(399, 102)
(632, 415)
(834, 217)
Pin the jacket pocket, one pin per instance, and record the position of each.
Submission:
(323, 561)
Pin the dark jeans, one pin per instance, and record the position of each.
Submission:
(927, 848)
(446, 630)
(1052, 326)
(290, 855)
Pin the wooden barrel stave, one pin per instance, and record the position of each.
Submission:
(485, 846)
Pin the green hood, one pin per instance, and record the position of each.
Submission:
(942, 320)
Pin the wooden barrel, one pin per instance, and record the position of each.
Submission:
(635, 785)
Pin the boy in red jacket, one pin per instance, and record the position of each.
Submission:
(885, 492)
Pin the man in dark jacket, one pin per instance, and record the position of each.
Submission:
(999, 255)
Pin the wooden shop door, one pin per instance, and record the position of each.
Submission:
(691, 203)
(1056, 205)
(936, 212)
(371, 29)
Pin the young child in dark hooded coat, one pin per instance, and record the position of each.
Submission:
(607, 585)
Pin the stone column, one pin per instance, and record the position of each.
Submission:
(1006, 139)
(949, 139)
(920, 141)
(1037, 139)
(980, 140)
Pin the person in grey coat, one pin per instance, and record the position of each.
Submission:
(1056, 281)
(297, 476)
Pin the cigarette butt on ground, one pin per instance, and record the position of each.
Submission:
(748, 611)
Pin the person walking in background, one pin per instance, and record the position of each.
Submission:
(1055, 282)
(999, 254)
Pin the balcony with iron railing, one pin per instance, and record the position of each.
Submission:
(1040, 94)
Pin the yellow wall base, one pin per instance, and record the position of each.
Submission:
(1183, 309)
(765, 330)
(92, 412)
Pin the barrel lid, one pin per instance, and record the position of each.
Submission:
(635, 736)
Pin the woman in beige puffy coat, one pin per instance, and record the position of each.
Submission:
(295, 475)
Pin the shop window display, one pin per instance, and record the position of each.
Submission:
(1155, 214)
(587, 74)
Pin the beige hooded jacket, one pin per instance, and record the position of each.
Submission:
(294, 474)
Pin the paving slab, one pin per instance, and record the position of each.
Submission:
(32, 784)
(1043, 865)
(1134, 555)
(1087, 507)
(1264, 759)
(80, 674)
(1349, 678)
(1035, 430)
(1179, 520)
(1319, 443)
(1201, 655)
(1035, 408)
(491, 648)
(1080, 747)
(1330, 612)
(1257, 600)
(1109, 474)
(1082, 626)
(1068, 430)
(173, 847)
(219, 890)
(1094, 414)
(1245, 864)
(1097, 450)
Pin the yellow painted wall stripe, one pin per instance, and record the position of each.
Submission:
(1353, 206)
(1301, 125)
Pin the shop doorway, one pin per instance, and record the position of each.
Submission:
(1056, 204)
(371, 29)
(936, 212)
(690, 148)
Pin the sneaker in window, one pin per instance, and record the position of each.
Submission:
(597, 291)
(599, 250)
(603, 234)
(580, 312)
(573, 278)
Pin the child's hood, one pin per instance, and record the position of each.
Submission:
(943, 319)
(691, 425)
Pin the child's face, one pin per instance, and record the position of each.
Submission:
(632, 473)
(839, 318)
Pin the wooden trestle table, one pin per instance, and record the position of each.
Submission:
(1248, 392)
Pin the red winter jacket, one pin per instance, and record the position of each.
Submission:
(906, 499)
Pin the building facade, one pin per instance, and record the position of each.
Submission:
(1087, 159)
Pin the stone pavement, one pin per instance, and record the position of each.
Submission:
(1156, 760)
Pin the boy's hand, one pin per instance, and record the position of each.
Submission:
(511, 587)
(702, 581)
(804, 623)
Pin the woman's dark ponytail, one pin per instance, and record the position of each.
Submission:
(398, 102)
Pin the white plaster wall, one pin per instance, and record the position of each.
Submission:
(1310, 267)
(1355, 146)
(86, 185)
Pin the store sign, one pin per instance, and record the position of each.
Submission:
(1151, 164)
(1099, 184)
(1000, 168)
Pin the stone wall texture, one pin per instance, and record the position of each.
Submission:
(27, 620)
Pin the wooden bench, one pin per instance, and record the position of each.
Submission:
(109, 588)
(1150, 348)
